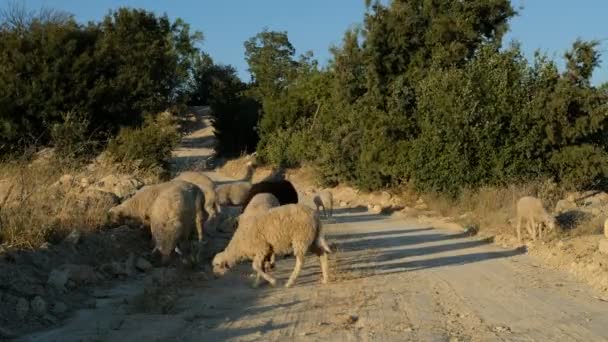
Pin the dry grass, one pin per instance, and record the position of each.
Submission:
(36, 208)
(494, 208)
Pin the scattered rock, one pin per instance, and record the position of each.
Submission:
(560, 244)
(421, 205)
(73, 238)
(115, 269)
(59, 308)
(343, 204)
(471, 229)
(58, 279)
(596, 199)
(352, 319)
(81, 274)
(122, 186)
(130, 265)
(143, 264)
(22, 308)
(564, 205)
(38, 306)
(603, 246)
(44, 246)
(375, 209)
(50, 319)
(501, 329)
(606, 228)
(85, 182)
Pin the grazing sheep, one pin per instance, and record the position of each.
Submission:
(137, 209)
(531, 209)
(174, 214)
(208, 187)
(283, 190)
(290, 228)
(260, 204)
(234, 194)
(324, 199)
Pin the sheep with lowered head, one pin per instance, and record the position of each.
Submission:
(531, 209)
(289, 228)
(174, 214)
(259, 204)
(324, 199)
(138, 208)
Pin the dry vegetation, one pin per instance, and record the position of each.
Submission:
(43, 201)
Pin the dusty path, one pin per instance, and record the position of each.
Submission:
(393, 280)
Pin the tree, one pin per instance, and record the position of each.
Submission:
(107, 74)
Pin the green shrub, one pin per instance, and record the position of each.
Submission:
(148, 146)
(111, 72)
(71, 138)
(581, 167)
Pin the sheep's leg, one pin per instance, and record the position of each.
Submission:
(269, 262)
(519, 221)
(257, 266)
(324, 212)
(296, 269)
(324, 261)
(532, 225)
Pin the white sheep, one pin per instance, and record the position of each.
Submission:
(324, 199)
(175, 213)
(259, 204)
(207, 185)
(289, 228)
(531, 210)
(235, 193)
(138, 208)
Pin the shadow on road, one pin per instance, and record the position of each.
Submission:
(401, 250)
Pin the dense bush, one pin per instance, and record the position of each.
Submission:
(235, 115)
(147, 146)
(112, 72)
(424, 93)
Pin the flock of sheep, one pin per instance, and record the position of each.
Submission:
(272, 222)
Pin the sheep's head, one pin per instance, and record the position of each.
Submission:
(220, 264)
(551, 222)
(117, 216)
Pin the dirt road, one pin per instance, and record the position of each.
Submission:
(392, 280)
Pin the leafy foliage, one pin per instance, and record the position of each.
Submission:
(148, 146)
(111, 73)
(423, 93)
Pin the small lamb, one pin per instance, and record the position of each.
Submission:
(289, 228)
(531, 210)
(324, 199)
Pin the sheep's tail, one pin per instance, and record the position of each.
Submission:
(320, 241)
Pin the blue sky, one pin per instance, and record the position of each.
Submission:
(548, 25)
